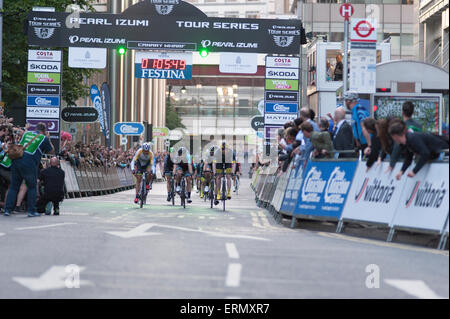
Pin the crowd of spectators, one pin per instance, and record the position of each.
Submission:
(76, 153)
(336, 137)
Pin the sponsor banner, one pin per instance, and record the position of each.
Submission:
(42, 66)
(87, 58)
(60, 29)
(43, 101)
(293, 188)
(278, 197)
(363, 30)
(152, 45)
(79, 114)
(374, 195)
(97, 101)
(424, 203)
(285, 74)
(43, 112)
(325, 188)
(282, 85)
(280, 108)
(282, 62)
(281, 96)
(128, 128)
(44, 78)
(106, 99)
(149, 65)
(33, 89)
(278, 119)
(242, 63)
(270, 132)
(160, 132)
(257, 123)
(44, 55)
(52, 125)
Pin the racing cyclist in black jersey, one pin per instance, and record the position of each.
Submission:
(168, 173)
(183, 166)
(225, 160)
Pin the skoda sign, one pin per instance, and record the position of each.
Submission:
(128, 128)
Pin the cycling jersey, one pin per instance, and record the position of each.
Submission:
(184, 162)
(142, 161)
(168, 164)
(224, 160)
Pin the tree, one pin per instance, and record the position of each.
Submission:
(173, 120)
(15, 52)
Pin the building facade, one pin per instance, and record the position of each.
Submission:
(432, 41)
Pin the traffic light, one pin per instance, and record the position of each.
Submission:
(121, 50)
(204, 52)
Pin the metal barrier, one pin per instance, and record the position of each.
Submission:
(344, 191)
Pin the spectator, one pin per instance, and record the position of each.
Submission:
(426, 145)
(338, 69)
(321, 144)
(407, 113)
(324, 126)
(373, 152)
(25, 168)
(52, 179)
(308, 115)
(359, 113)
(342, 135)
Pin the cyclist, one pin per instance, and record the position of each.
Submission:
(143, 161)
(207, 171)
(225, 160)
(236, 175)
(168, 173)
(183, 165)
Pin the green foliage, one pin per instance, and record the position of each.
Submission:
(173, 120)
(15, 52)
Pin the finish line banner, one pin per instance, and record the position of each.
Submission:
(58, 29)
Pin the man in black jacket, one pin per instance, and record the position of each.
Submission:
(426, 146)
(52, 179)
(342, 134)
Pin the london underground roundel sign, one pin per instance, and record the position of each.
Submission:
(363, 30)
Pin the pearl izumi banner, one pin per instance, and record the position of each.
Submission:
(143, 26)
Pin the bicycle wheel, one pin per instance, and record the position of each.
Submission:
(142, 192)
(211, 194)
(183, 193)
(224, 191)
(172, 190)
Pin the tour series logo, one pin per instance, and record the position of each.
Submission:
(44, 28)
(283, 36)
(164, 7)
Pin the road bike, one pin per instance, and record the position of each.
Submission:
(183, 191)
(143, 192)
(223, 189)
(172, 190)
(237, 182)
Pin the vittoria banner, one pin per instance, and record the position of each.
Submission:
(424, 202)
(58, 29)
(374, 195)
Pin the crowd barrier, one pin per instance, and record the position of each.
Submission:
(344, 191)
(85, 180)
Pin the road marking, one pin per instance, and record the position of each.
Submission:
(201, 217)
(264, 219)
(384, 244)
(232, 251)
(139, 231)
(233, 275)
(44, 226)
(255, 220)
(2, 234)
(57, 277)
(416, 288)
(74, 214)
(181, 216)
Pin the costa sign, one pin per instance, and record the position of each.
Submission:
(363, 30)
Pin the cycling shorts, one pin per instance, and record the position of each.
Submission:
(227, 171)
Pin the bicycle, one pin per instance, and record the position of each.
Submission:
(143, 192)
(237, 184)
(172, 191)
(211, 192)
(183, 191)
(223, 189)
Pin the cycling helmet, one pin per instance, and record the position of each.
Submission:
(146, 147)
(224, 145)
(181, 150)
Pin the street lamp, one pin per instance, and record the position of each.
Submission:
(183, 89)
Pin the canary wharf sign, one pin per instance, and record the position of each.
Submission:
(182, 22)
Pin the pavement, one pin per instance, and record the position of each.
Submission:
(107, 247)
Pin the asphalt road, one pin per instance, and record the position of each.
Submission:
(109, 248)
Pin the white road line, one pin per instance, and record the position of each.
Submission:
(74, 214)
(232, 251)
(201, 217)
(233, 275)
(416, 288)
(181, 216)
(44, 226)
(2, 234)
(255, 220)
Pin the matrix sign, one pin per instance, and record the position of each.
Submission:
(163, 65)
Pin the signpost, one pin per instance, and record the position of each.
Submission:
(346, 10)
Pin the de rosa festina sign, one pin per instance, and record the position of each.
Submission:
(58, 29)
